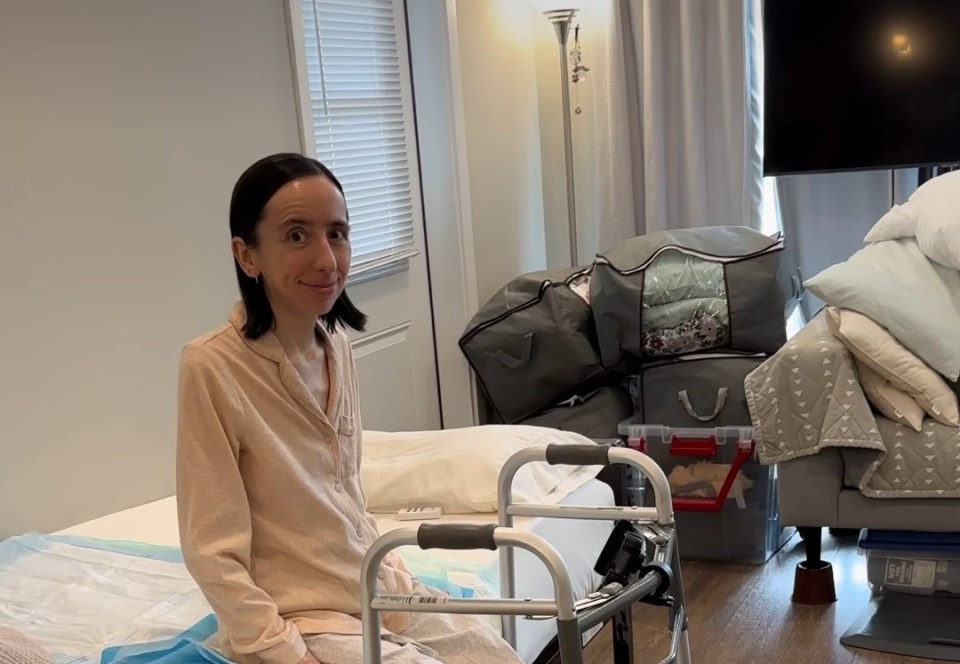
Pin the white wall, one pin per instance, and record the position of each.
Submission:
(123, 126)
(502, 130)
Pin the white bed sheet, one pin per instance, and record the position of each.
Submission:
(153, 523)
(578, 542)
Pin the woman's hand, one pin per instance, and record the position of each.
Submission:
(309, 659)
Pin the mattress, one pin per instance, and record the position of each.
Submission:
(578, 542)
(153, 523)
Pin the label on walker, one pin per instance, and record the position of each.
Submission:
(413, 599)
(911, 573)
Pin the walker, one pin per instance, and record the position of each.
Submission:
(641, 561)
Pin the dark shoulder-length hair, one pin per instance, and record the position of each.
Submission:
(255, 187)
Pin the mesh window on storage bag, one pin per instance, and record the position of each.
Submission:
(671, 293)
(534, 343)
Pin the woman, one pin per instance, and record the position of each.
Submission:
(273, 519)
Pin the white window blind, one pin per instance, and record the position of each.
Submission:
(357, 101)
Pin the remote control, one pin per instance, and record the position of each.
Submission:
(419, 513)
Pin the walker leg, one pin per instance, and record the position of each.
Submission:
(677, 592)
(623, 637)
(371, 636)
(683, 657)
(570, 640)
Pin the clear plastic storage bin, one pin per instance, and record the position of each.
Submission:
(912, 563)
(724, 501)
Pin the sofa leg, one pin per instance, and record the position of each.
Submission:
(813, 578)
(845, 532)
(813, 545)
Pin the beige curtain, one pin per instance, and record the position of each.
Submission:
(677, 113)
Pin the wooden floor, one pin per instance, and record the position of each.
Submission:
(743, 614)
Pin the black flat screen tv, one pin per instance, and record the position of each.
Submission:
(860, 84)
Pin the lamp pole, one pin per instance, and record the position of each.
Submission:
(561, 20)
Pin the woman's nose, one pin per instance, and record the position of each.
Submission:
(325, 260)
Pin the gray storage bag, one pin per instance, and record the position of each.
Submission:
(595, 413)
(591, 413)
(671, 293)
(534, 343)
(695, 391)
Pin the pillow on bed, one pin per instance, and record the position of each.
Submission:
(892, 403)
(896, 285)
(876, 348)
(458, 469)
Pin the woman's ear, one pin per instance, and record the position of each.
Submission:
(246, 257)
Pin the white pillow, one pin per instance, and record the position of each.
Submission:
(932, 215)
(458, 469)
(874, 347)
(937, 205)
(896, 285)
(892, 403)
(899, 222)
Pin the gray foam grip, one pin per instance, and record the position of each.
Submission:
(578, 455)
(456, 536)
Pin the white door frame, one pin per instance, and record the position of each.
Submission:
(435, 60)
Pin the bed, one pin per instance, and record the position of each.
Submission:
(122, 578)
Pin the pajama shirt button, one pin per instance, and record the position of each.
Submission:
(359, 529)
(338, 487)
(380, 575)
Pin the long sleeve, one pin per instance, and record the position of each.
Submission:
(354, 387)
(214, 515)
(399, 622)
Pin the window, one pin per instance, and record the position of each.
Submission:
(357, 119)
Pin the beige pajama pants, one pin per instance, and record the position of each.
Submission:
(431, 639)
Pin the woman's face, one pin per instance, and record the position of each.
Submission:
(303, 247)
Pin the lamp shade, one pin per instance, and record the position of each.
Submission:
(557, 5)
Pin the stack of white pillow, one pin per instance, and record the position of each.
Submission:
(895, 304)
(932, 216)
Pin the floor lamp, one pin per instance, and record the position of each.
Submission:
(560, 13)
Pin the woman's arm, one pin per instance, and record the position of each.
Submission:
(215, 516)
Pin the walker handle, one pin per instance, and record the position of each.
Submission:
(578, 455)
(457, 536)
